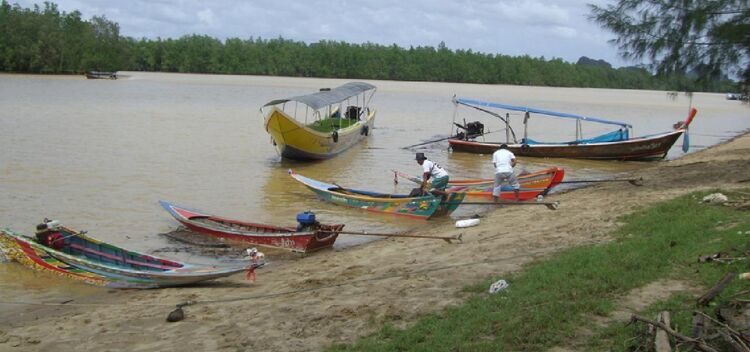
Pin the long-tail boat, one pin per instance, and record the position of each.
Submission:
(77, 256)
(323, 124)
(616, 144)
(307, 236)
(532, 185)
(101, 75)
(424, 207)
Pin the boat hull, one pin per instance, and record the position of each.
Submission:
(101, 75)
(36, 258)
(296, 141)
(425, 207)
(98, 263)
(532, 185)
(644, 148)
(241, 232)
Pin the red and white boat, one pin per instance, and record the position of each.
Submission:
(308, 236)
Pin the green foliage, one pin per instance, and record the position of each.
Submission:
(547, 303)
(704, 38)
(47, 40)
(331, 124)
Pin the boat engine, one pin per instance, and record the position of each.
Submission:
(306, 222)
(472, 130)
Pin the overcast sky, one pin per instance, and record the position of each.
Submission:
(552, 29)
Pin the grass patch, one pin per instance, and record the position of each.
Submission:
(548, 301)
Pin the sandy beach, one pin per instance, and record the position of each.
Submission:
(310, 302)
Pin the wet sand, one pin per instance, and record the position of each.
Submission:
(335, 296)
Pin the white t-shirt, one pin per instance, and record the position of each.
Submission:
(502, 160)
(433, 169)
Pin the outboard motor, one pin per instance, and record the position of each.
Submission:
(306, 221)
(474, 129)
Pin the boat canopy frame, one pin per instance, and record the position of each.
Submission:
(327, 98)
(478, 104)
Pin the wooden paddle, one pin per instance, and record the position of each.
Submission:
(549, 205)
(632, 181)
(365, 233)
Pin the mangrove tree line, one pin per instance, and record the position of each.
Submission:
(43, 39)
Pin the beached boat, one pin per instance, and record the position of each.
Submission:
(307, 236)
(425, 207)
(77, 256)
(323, 124)
(101, 75)
(612, 145)
(532, 185)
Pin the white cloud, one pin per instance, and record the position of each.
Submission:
(563, 32)
(509, 27)
(206, 17)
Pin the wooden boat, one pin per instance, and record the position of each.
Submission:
(299, 239)
(101, 75)
(612, 145)
(333, 121)
(98, 263)
(532, 185)
(425, 207)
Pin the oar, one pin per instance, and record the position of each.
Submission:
(428, 142)
(437, 140)
(549, 205)
(632, 181)
(365, 233)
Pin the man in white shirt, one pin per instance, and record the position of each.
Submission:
(432, 170)
(504, 161)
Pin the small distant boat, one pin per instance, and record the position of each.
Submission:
(101, 75)
(308, 236)
(80, 257)
(616, 144)
(424, 207)
(323, 124)
(532, 185)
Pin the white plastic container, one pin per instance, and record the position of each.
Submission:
(467, 223)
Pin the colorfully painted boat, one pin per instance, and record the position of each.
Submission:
(425, 207)
(532, 185)
(612, 145)
(323, 124)
(302, 238)
(83, 258)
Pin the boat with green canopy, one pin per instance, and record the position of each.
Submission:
(321, 125)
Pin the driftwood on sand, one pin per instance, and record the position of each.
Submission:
(714, 291)
(696, 343)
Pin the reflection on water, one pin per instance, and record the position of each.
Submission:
(99, 154)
